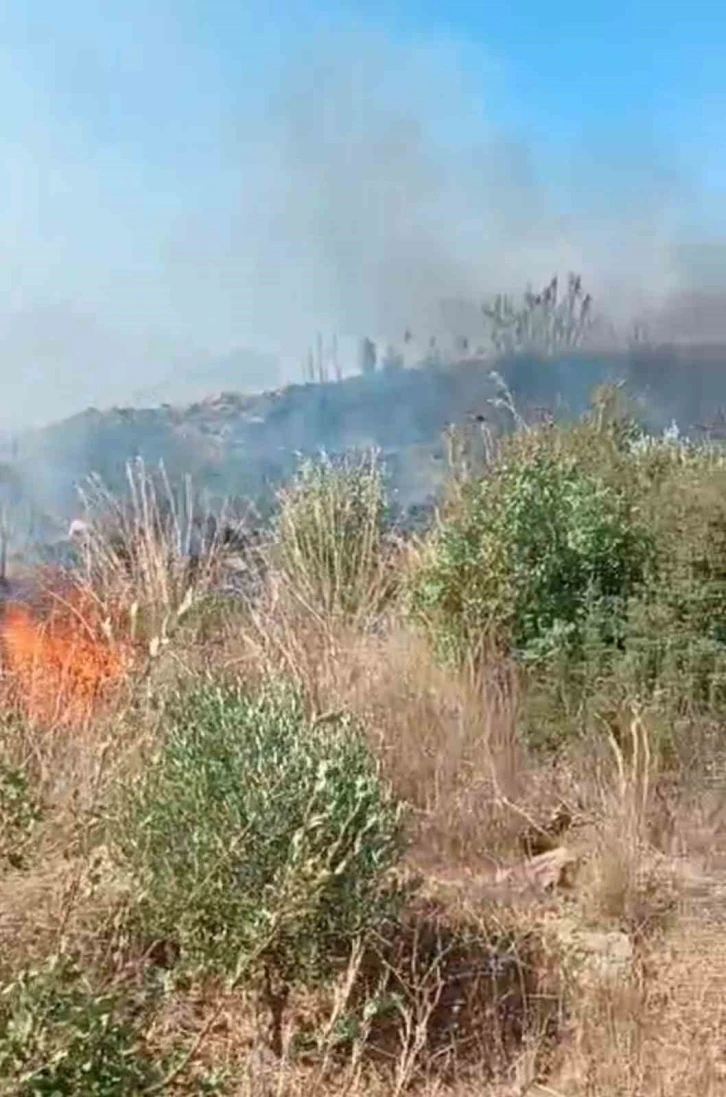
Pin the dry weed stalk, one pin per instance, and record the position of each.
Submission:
(152, 556)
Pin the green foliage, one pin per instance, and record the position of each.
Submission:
(256, 835)
(19, 813)
(677, 631)
(595, 553)
(670, 649)
(537, 553)
(61, 1038)
(329, 535)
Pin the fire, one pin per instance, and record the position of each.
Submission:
(61, 666)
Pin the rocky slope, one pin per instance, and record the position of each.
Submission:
(235, 445)
(239, 445)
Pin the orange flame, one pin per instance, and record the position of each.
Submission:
(61, 670)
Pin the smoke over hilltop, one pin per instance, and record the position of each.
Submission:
(401, 189)
(363, 182)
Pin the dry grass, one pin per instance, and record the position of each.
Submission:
(450, 749)
(661, 1032)
(449, 745)
(329, 539)
(479, 801)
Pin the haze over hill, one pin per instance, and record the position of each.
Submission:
(188, 201)
(243, 370)
(179, 186)
(239, 447)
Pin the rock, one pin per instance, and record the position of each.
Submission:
(600, 956)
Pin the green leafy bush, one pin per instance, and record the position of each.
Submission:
(61, 1038)
(677, 631)
(20, 811)
(537, 554)
(255, 834)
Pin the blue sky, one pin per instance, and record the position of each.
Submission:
(183, 177)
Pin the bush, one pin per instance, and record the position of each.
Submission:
(677, 635)
(329, 535)
(60, 1038)
(257, 835)
(20, 811)
(538, 554)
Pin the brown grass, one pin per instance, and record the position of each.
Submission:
(449, 745)
(480, 801)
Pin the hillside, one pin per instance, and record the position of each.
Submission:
(237, 445)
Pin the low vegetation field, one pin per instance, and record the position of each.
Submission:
(435, 813)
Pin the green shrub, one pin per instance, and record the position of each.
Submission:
(671, 653)
(20, 811)
(537, 554)
(329, 535)
(61, 1038)
(256, 834)
(685, 491)
(677, 631)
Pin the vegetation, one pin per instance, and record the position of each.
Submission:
(294, 852)
(329, 536)
(544, 323)
(20, 811)
(536, 553)
(257, 836)
(59, 1037)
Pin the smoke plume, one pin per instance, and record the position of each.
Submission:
(154, 220)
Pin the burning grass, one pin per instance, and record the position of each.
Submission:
(145, 564)
(61, 658)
